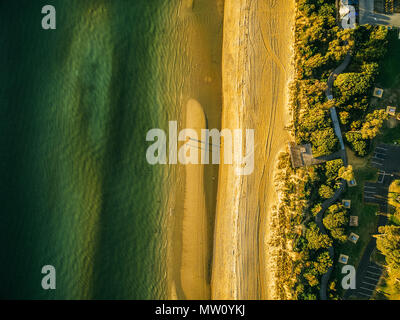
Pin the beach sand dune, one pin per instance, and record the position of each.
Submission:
(255, 73)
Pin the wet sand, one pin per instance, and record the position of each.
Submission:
(256, 70)
(193, 204)
(195, 247)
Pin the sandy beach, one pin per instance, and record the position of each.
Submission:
(218, 244)
(256, 70)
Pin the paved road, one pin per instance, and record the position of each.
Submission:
(368, 16)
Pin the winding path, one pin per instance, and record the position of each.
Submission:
(318, 221)
(343, 156)
(335, 73)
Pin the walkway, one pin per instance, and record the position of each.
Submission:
(343, 183)
(336, 126)
(318, 221)
(329, 95)
(335, 73)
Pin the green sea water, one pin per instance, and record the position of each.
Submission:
(76, 191)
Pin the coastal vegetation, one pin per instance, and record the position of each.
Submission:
(388, 244)
(394, 196)
(320, 47)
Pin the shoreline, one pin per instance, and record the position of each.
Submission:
(202, 23)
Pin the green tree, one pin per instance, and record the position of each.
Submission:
(353, 84)
(346, 173)
(317, 208)
(323, 263)
(388, 242)
(335, 220)
(336, 217)
(323, 141)
(332, 169)
(326, 192)
(344, 117)
(316, 240)
(358, 144)
(339, 234)
(374, 122)
(311, 278)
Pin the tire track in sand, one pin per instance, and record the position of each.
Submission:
(254, 81)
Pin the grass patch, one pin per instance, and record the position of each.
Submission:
(356, 162)
(389, 72)
(390, 135)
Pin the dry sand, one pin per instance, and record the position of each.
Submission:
(256, 69)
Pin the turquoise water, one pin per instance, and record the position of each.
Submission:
(75, 105)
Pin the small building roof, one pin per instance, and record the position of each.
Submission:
(391, 110)
(352, 183)
(353, 221)
(378, 92)
(346, 203)
(301, 155)
(343, 258)
(353, 237)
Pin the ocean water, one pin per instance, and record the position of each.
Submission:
(76, 191)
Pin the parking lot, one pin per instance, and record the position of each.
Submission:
(379, 157)
(377, 193)
(386, 159)
(368, 281)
